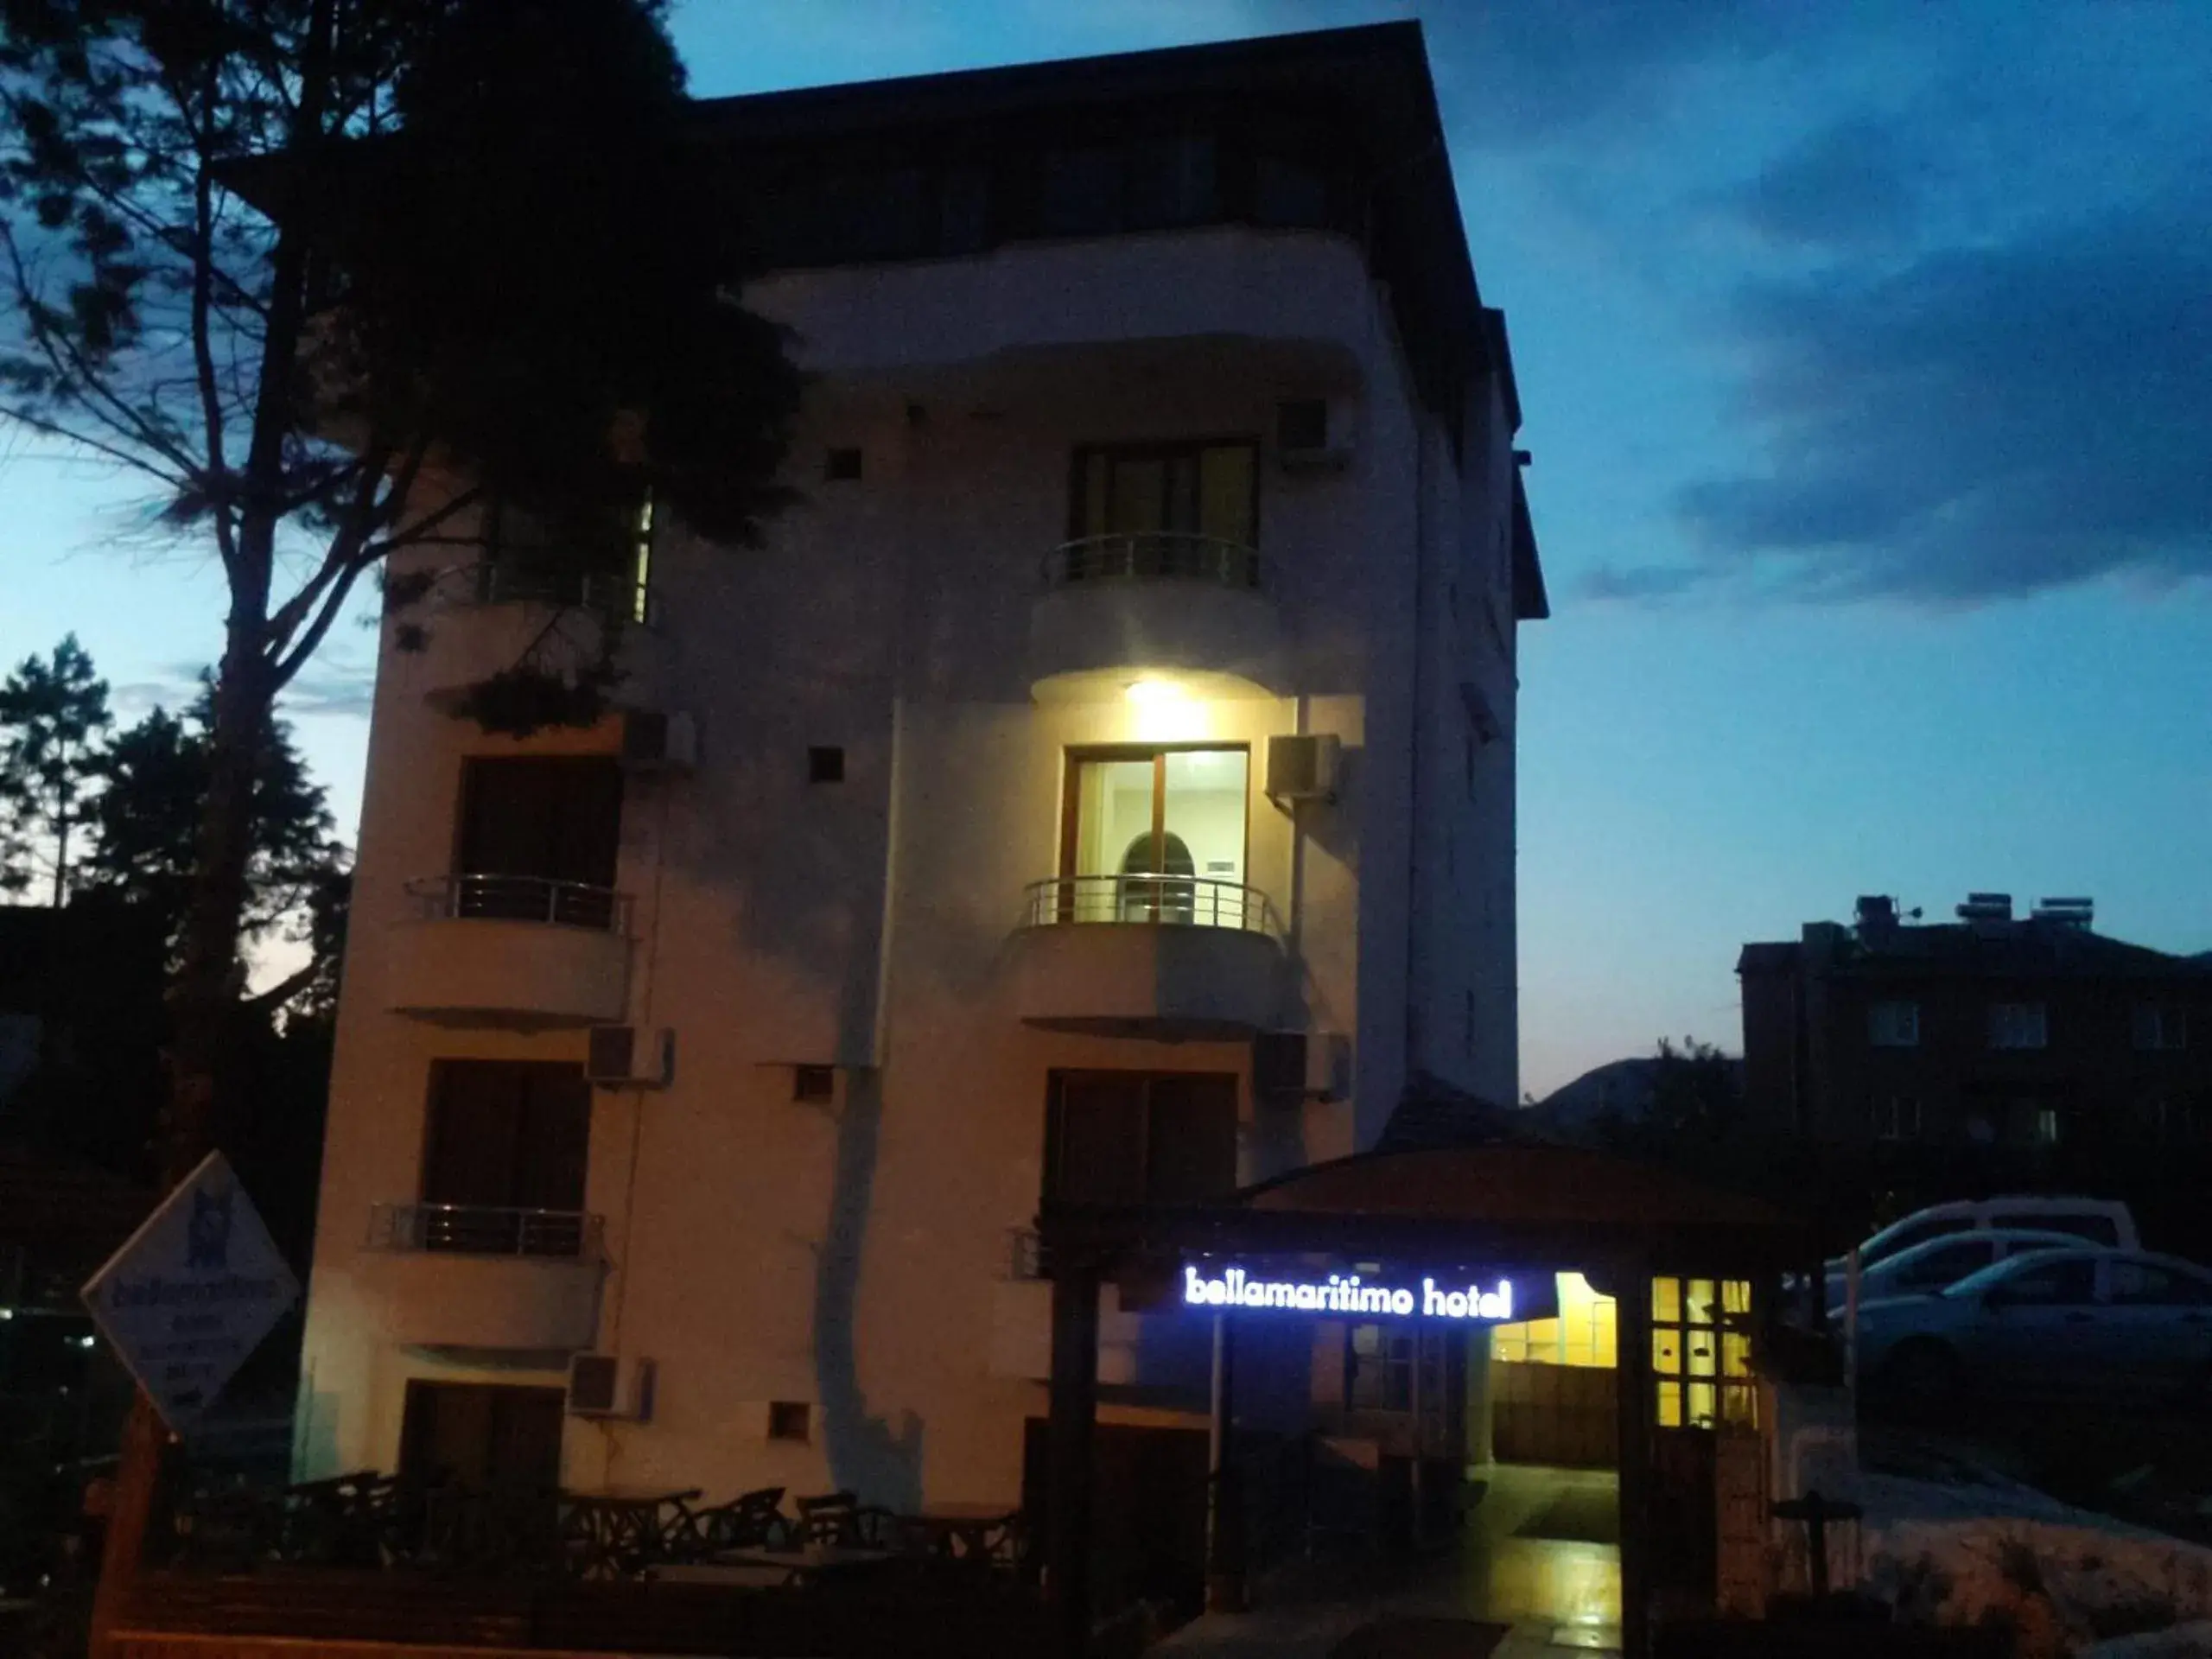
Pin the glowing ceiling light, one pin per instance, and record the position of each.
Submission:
(1153, 692)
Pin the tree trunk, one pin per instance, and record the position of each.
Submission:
(203, 998)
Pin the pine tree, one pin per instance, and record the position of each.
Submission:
(52, 714)
(327, 275)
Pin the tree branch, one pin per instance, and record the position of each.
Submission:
(202, 254)
(282, 992)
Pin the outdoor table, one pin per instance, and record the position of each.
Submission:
(808, 1561)
(735, 1575)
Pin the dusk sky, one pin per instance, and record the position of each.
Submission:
(1866, 357)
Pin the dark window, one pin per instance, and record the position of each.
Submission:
(534, 829)
(2054, 1284)
(825, 764)
(2159, 1028)
(1290, 193)
(1170, 182)
(868, 213)
(1204, 489)
(1302, 424)
(506, 1137)
(790, 1420)
(1133, 1137)
(481, 1435)
(965, 211)
(1082, 192)
(528, 557)
(2137, 1284)
(815, 1085)
(842, 466)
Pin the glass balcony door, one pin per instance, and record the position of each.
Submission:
(1157, 835)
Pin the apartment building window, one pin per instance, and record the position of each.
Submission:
(1893, 1025)
(482, 1436)
(1137, 1137)
(2169, 1121)
(604, 563)
(1148, 184)
(539, 837)
(1896, 1118)
(504, 1157)
(1198, 489)
(2018, 1025)
(1156, 835)
(2157, 1027)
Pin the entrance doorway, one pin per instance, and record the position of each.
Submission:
(482, 1436)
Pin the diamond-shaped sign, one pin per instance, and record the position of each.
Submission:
(192, 1292)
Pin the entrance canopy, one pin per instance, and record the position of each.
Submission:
(1505, 1200)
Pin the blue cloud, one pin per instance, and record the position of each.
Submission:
(1982, 420)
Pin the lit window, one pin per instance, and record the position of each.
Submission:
(1701, 1353)
(2018, 1025)
(1893, 1025)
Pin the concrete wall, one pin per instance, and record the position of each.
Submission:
(855, 1256)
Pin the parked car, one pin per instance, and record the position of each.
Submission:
(2074, 1323)
(1936, 1263)
(2094, 1221)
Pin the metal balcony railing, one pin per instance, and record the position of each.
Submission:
(521, 899)
(1168, 900)
(485, 1229)
(614, 594)
(1156, 556)
(512, 581)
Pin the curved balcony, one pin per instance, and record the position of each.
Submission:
(1148, 956)
(472, 1276)
(511, 950)
(1121, 607)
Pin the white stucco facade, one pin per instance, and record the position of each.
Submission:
(855, 1256)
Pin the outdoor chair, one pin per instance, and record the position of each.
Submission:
(840, 1520)
(754, 1521)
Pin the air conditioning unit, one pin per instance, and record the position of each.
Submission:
(630, 1057)
(1289, 1066)
(1313, 435)
(595, 1388)
(1303, 768)
(653, 740)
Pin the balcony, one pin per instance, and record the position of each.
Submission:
(480, 619)
(511, 950)
(1167, 957)
(471, 1276)
(1117, 608)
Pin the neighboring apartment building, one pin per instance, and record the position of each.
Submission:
(1994, 1029)
(1103, 783)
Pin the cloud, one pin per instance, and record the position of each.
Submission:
(338, 691)
(1531, 71)
(1639, 581)
(1850, 184)
(341, 691)
(1981, 420)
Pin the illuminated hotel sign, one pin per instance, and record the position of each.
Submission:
(1348, 1294)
